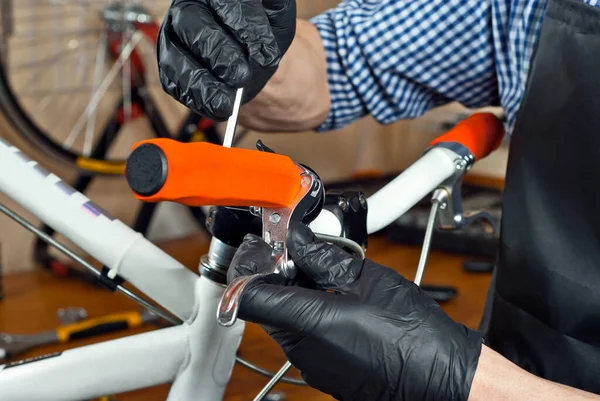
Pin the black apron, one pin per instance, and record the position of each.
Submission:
(543, 310)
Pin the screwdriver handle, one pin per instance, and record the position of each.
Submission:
(102, 325)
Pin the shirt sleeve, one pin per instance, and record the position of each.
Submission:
(396, 59)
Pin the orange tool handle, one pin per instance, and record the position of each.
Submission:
(481, 133)
(202, 174)
(102, 325)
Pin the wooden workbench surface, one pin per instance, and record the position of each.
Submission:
(32, 299)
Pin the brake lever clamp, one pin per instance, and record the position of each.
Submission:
(451, 215)
(276, 222)
(449, 194)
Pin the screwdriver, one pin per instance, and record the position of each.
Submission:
(12, 345)
(228, 142)
(232, 122)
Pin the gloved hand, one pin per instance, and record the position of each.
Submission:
(365, 333)
(209, 48)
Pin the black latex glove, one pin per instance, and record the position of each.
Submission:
(209, 48)
(365, 333)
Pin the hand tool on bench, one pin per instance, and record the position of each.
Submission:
(12, 345)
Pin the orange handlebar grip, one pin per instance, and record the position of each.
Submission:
(481, 133)
(202, 174)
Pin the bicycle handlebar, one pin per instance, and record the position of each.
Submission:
(480, 133)
(203, 174)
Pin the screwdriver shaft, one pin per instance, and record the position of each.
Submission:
(232, 122)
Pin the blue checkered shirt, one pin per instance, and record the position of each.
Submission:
(396, 59)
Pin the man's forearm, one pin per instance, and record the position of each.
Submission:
(498, 379)
(297, 96)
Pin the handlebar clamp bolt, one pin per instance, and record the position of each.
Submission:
(363, 201)
(343, 203)
(211, 218)
(460, 164)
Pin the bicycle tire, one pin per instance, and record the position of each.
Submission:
(26, 129)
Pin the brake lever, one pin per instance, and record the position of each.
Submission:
(276, 222)
(451, 215)
(446, 204)
(449, 194)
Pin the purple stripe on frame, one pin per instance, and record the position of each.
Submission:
(96, 210)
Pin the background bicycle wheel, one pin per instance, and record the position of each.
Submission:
(67, 70)
(61, 83)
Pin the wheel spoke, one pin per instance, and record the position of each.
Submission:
(126, 71)
(38, 38)
(64, 75)
(91, 122)
(108, 80)
(32, 53)
(60, 103)
(57, 47)
(42, 104)
(35, 77)
(47, 61)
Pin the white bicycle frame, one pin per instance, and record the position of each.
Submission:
(198, 356)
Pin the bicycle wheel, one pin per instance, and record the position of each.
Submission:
(79, 80)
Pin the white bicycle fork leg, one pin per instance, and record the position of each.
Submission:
(212, 349)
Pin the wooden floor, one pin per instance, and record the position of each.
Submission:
(32, 300)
